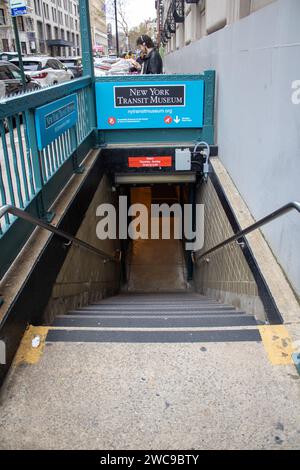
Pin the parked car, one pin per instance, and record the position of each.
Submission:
(74, 64)
(11, 80)
(46, 70)
(8, 55)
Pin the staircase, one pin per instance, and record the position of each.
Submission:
(155, 318)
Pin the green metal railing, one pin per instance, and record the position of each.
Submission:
(31, 179)
(25, 170)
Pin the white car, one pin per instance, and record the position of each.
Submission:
(45, 70)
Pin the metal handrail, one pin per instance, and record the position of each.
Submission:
(269, 218)
(8, 209)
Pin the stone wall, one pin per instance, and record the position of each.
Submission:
(227, 276)
(85, 277)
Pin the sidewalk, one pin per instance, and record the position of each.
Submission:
(151, 396)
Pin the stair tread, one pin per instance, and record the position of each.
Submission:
(151, 313)
(163, 322)
(106, 336)
(155, 307)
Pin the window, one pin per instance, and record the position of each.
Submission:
(48, 30)
(24, 47)
(60, 65)
(29, 23)
(52, 64)
(5, 45)
(46, 11)
(66, 20)
(37, 7)
(20, 22)
(54, 15)
(2, 16)
(60, 18)
(15, 73)
(29, 65)
(65, 4)
(42, 47)
(71, 23)
(40, 30)
(5, 73)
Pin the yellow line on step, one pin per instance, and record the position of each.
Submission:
(277, 343)
(27, 353)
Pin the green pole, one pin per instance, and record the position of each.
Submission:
(18, 46)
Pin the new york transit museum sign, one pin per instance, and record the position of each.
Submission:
(147, 105)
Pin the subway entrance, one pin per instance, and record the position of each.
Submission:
(156, 260)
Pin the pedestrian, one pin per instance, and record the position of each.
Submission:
(152, 62)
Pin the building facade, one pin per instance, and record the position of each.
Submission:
(254, 47)
(50, 27)
(98, 26)
(181, 22)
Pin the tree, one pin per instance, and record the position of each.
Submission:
(136, 32)
(122, 16)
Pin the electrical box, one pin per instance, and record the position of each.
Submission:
(183, 160)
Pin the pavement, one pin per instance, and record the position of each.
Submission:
(151, 396)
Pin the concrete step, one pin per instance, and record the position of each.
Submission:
(154, 308)
(155, 318)
(153, 313)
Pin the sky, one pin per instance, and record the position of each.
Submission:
(139, 10)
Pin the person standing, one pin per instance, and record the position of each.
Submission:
(152, 61)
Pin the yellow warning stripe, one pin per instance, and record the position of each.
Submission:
(277, 343)
(26, 352)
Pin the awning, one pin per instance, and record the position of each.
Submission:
(59, 43)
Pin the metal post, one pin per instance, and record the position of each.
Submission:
(192, 201)
(117, 33)
(18, 46)
(87, 56)
(86, 39)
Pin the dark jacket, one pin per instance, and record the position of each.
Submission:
(153, 63)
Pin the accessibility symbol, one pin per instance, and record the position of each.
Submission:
(112, 121)
(168, 120)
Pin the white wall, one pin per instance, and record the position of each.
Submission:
(258, 126)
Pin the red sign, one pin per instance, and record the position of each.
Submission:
(168, 120)
(149, 162)
(112, 121)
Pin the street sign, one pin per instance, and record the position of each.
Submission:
(53, 119)
(150, 104)
(18, 7)
(149, 162)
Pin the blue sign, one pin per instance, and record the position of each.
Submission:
(18, 7)
(53, 119)
(18, 11)
(150, 105)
